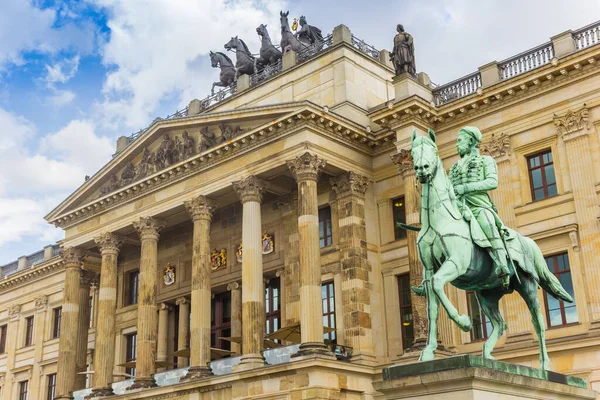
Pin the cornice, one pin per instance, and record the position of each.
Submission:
(25, 276)
(322, 120)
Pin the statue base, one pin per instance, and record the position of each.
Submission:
(468, 377)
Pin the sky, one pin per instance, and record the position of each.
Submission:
(76, 75)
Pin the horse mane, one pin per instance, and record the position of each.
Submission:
(224, 55)
(245, 47)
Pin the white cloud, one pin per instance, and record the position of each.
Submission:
(62, 72)
(153, 50)
(61, 98)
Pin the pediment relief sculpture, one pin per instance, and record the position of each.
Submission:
(170, 151)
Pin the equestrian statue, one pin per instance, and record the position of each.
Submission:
(269, 54)
(245, 62)
(462, 241)
(227, 76)
(289, 41)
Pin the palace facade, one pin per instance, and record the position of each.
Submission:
(272, 204)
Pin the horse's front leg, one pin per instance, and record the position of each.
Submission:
(428, 353)
(212, 90)
(448, 272)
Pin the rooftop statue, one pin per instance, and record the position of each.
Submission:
(269, 54)
(227, 76)
(455, 247)
(245, 62)
(308, 34)
(289, 41)
(403, 53)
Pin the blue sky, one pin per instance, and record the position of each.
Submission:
(75, 75)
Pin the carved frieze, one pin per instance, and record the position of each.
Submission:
(14, 312)
(41, 302)
(496, 147)
(349, 183)
(572, 121)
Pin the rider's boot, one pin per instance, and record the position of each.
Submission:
(500, 258)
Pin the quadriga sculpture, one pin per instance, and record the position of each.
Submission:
(227, 76)
(453, 248)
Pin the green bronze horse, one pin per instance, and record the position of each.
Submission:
(449, 254)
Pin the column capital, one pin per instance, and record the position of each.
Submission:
(201, 208)
(574, 123)
(41, 302)
(86, 278)
(109, 243)
(497, 147)
(233, 286)
(164, 307)
(404, 161)
(149, 227)
(182, 300)
(14, 312)
(349, 183)
(250, 189)
(72, 256)
(306, 167)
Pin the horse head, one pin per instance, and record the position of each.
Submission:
(214, 59)
(262, 31)
(285, 25)
(425, 156)
(234, 43)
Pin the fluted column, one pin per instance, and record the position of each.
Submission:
(148, 228)
(350, 189)
(67, 349)
(85, 281)
(104, 355)
(306, 169)
(183, 329)
(236, 314)
(163, 334)
(201, 210)
(250, 191)
(290, 282)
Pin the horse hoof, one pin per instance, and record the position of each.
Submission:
(464, 323)
(426, 355)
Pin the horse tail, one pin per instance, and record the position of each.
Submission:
(548, 280)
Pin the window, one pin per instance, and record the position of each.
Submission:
(51, 392)
(23, 386)
(399, 212)
(482, 326)
(3, 330)
(325, 235)
(406, 315)
(272, 306)
(28, 331)
(56, 316)
(131, 352)
(220, 321)
(91, 312)
(328, 298)
(541, 175)
(557, 312)
(133, 285)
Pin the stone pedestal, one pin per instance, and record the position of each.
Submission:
(469, 377)
(406, 85)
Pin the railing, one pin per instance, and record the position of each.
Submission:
(177, 114)
(9, 269)
(526, 61)
(587, 36)
(218, 97)
(311, 51)
(35, 258)
(365, 47)
(265, 73)
(456, 89)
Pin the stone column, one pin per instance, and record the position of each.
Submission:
(201, 210)
(14, 318)
(290, 282)
(85, 281)
(236, 314)
(412, 206)
(307, 169)
(39, 321)
(148, 228)
(183, 329)
(575, 129)
(67, 348)
(104, 354)
(250, 192)
(163, 334)
(350, 189)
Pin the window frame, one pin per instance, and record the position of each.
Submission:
(218, 326)
(328, 310)
(3, 334)
(542, 167)
(51, 386)
(133, 287)
(56, 320)
(406, 343)
(130, 351)
(23, 394)
(324, 216)
(29, 327)
(561, 303)
(272, 306)
(397, 230)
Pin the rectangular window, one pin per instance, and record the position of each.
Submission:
(399, 211)
(541, 175)
(56, 317)
(220, 321)
(482, 326)
(328, 299)
(272, 306)
(23, 388)
(3, 330)
(557, 312)
(51, 387)
(130, 352)
(91, 312)
(28, 331)
(325, 235)
(133, 286)
(406, 315)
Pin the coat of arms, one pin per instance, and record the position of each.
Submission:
(169, 275)
(218, 259)
(268, 243)
(238, 253)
